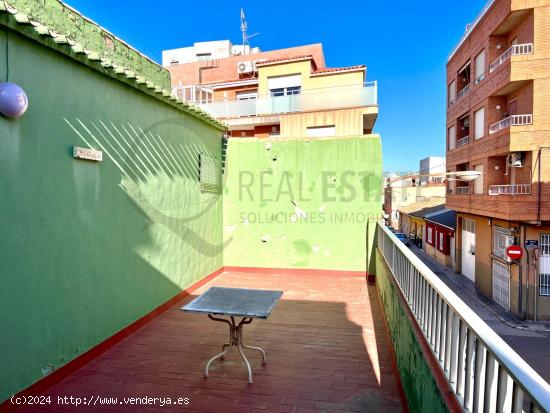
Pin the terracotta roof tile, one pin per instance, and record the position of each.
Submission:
(284, 59)
(337, 69)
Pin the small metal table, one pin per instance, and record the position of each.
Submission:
(231, 303)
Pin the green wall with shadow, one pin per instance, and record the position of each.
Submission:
(300, 203)
(418, 382)
(88, 247)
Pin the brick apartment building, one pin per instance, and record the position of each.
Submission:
(498, 123)
(285, 93)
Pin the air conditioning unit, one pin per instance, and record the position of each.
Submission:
(245, 67)
(467, 122)
(516, 160)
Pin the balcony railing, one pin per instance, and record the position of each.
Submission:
(519, 189)
(482, 370)
(516, 49)
(462, 141)
(464, 90)
(514, 120)
(463, 190)
(308, 100)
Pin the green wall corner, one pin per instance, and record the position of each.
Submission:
(299, 203)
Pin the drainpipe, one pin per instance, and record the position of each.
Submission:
(520, 275)
(539, 187)
(528, 266)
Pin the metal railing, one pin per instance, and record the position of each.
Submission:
(462, 141)
(516, 49)
(307, 100)
(462, 190)
(193, 93)
(514, 120)
(484, 372)
(464, 90)
(518, 189)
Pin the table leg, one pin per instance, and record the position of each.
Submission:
(235, 340)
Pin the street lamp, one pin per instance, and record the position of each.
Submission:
(466, 176)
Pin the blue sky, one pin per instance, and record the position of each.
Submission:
(405, 45)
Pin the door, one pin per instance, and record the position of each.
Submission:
(501, 284)
(468, 248)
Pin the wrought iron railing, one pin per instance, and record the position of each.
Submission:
(483, 371)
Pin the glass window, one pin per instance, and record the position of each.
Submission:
(480, 66)
(479, 123)
(500, 237)
(452, 137)
(452, 92)
(286, 91)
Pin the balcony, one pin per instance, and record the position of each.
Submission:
(514, 50)
(308, 100)
(519, 189)
(514, 120)
(326, 350)
(464, 91)
(482, 371)
(462, 141)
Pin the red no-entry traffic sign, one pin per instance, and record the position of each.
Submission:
(514, 252)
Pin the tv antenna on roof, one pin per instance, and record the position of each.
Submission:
(244, 27)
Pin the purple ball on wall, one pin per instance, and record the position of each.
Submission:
(13, 100)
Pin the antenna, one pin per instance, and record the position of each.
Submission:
(244, 27)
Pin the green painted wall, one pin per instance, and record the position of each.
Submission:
(78, 28)
(301, 203)
(418, 383)
(86, 248)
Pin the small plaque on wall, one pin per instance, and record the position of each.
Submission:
(87, 153)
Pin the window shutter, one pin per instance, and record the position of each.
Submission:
(480, 64)
(479, 123)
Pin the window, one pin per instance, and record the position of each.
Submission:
(285, 91)
(452, 137)
(284, 85)
(479, 119)
(452, 92)
(544, 265)
(469, 225)
(247, 95)
(204, 56)
(480, 66)
(430, 235)
(500, 237)
(319, 131)
(441, 241)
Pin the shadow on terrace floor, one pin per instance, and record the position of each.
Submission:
(326, 344)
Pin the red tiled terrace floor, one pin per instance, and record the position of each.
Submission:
(326, 343)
